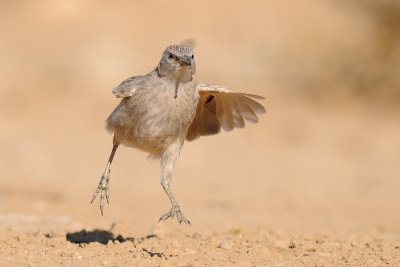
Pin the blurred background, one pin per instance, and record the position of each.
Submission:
(325, 156)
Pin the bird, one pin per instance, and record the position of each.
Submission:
(161, 110)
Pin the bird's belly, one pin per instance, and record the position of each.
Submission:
(152, 127)
(165, 123)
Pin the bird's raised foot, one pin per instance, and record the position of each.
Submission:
(103, 187)
(175, 210)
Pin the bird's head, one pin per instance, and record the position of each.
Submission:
(177, 63)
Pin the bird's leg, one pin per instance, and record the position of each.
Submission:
(105, 178)
(168, 161)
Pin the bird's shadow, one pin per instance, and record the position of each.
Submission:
(101, 236)
(96, 235)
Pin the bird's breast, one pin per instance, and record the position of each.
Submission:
(152, 118)
(172, 112)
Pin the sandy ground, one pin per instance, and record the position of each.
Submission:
(313, 184)
(232, 247)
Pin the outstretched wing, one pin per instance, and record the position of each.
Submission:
(128, 87)
(219, 107)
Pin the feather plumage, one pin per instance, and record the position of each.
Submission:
(219, 107)
(128, 87)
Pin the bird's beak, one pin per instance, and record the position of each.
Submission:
(186, 61)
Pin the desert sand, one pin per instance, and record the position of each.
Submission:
(314, 183)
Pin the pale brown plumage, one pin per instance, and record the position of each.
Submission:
(219, 107)
(162, 109)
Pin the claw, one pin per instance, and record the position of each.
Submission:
(95, 193)
(184, 220)
(102, 201)
(103, 187)
(175, 210)
(93, 197)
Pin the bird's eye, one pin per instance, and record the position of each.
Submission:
(170, 56)
(192, 56)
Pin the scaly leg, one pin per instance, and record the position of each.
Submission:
(105, 178)
(168, 161)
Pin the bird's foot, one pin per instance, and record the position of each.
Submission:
(103, 187)
(175, 210)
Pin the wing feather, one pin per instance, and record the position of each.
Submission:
(224, 115)
(254, 96)
(246, 111)
(237, 117)
(257, 107)
(128, 87)
(219, 107)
